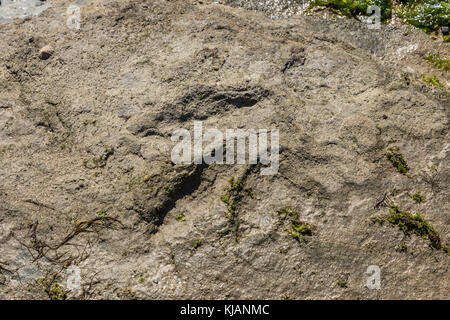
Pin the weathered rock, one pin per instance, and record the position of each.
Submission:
(87, 136)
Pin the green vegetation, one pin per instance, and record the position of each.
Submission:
(283, 250)
(378, 220)
(297, 228)
(232, 196)
(285, 296)
(397, 160)
(417, 197)
(285, 212)
(180, 217)
(403, 247)
(229, 198)
(356, 7)
(169, 190)
(427, 15)
(442, 64)
(414, 223)
(88, 122)
(343, 284)
(58, 292)
(250, 193)
(125, 292)
(235, 186)
(432, 80)
(102, 214)
(197, 244)
(54, 290)
(446, 249)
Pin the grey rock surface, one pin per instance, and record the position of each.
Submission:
(85, 155)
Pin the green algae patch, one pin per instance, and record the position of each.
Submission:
(438, 63)
(197, 244)
(417, 197)
(356, 7)
(296, 228)
(397, 160)
(54, 290)
(180, 217)
(231, 196)
(434, 81)
(414, 223)
(403, 247)
(427, 15)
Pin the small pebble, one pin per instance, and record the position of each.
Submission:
(45, 53)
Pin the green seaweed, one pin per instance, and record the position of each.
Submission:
(437, 62)
(414, 223)
(232, 193)
(285, 212)
(197, 244)
(249, 192)
(297, 228)
(54, 290)
(397, 160)
(102, 214)
(169, 190)
(403, 247)
(356, 7)
(432, 80)
(180, 217)
(427, 15)
(417, 197)
(125, 292)
(446, 249)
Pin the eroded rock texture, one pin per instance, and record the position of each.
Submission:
(87, 178)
